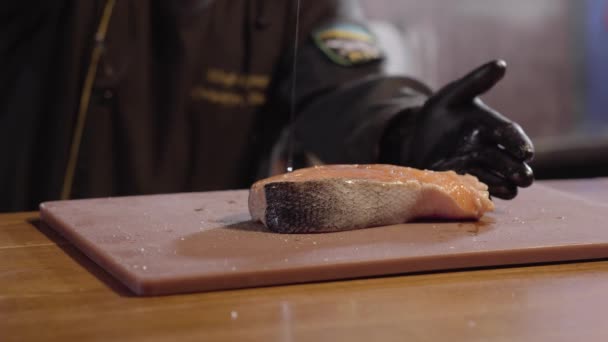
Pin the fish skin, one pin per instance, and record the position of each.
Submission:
(319, 199)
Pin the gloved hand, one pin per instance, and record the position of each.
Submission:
(455, 130)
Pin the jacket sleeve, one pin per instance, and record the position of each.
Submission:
(343, 110)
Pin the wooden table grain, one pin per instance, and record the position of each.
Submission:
(50, 291)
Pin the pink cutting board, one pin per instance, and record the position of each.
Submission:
(168, 244)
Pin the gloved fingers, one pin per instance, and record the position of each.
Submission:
(496, 163)
(473, 84)
(500, 163)
(499, 171)
(475, 152)
(515, 141)
(497, 185)
(505, 133)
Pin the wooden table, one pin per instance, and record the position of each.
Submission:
(49, 291)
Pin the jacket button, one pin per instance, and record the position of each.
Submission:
(108, 94)
(261, 23)
(108, 70)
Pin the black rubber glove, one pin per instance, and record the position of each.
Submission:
(455, 130)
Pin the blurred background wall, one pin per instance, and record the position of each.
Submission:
(557, 50)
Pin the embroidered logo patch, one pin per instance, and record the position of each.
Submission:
(348, 44)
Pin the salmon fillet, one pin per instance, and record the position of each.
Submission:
(342, 197)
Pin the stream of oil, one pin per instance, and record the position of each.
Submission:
(292, 100)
